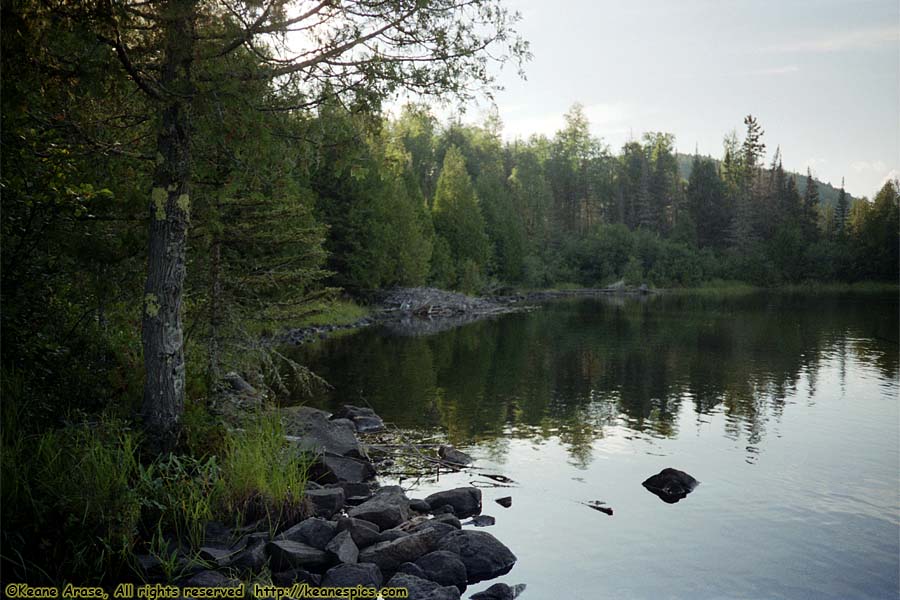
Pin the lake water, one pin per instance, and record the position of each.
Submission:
(785, 407)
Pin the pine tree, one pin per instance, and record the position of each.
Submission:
(841, 211)
(810, 215)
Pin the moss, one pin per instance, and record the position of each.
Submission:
(151, 305)
(159, 197)
(184, 203)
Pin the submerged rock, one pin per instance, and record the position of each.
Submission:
(671, 485)
(505, 502)
(452, 455)
(481, 521)
(466, 501)
(500, 591)
(484, 556)
(422, 589)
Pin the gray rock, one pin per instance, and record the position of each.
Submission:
(453, 456)
(343, 548)
(332, 468)
(289, 578)
(422, 589)
(363, 418)
(500, 591)
(389, 535)
(449, 519)
(212, 579)
(216, 556)
(367, 575)
(505, 502)
(364, 533)
(671, 485)
(311, 430)
(315, 532)
(390, 555)
(387, 508)
(484, 556)
(251, 558)
(412, 569)
(419, 505)
(326, 501)
(238, 384)
(439, 527)
(286, 555)
(466, 501)
(481, 521)
(444, 509)
(445, 568)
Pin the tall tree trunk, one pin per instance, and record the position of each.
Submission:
(162, 332)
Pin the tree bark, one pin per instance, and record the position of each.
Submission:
(162, 331)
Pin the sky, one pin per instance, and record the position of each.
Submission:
(821, 76)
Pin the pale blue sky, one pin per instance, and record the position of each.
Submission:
(822, 76)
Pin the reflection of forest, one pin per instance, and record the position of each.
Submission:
(573, 367)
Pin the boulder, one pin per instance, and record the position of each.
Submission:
(439, 527)
(389, 535)
(449, 519)
(671, 485)
(390, 555)
(333, 468)
(286, 555)
(445, 568)
(451, 455)
(366, 575)
(211, 579)
(363, 532)
(466, 501)
(315, 532)
(387, 508)
(312, 431)
(419, 505)
(481, 521)
(363, 418)
(343, 548)
(484, 556)
(500, 591)
(411, 569)
(327, 501)
(422, 589)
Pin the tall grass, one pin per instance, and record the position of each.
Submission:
(264, 475)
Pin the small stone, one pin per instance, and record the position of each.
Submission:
(500, 591)
(505, 502)
(343, 548)
(453, 456)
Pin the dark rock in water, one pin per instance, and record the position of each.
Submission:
(505, 502)
(500, 591)
(452, 455)
(366, 575)
(327, 501)
(289, 578)
(332, 468)
(285, 555)
(343, 548)
(311, 430)
(363, 418)
(390, 555)
(363, 532)
(481, 521)
(315, 532)
(598, 505)
(419, 505)
(422, 589)
(448, 518)
(445, 568)
(387, 508)
(412, 569)
(671, 485)
(446, 509)
(466, 501)
(211, 579)
(484, 555)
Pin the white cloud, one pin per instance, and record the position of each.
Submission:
(813, 164)
(892, 174)
(861, 166)
(843, 40)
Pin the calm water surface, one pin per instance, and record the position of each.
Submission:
(785, 407)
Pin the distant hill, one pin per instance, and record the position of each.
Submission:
(828, 194)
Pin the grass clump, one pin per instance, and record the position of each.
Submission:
(264, 475)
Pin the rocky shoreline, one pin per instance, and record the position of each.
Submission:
(424, 311)
(358, 533)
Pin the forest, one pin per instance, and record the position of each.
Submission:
(174, 194)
